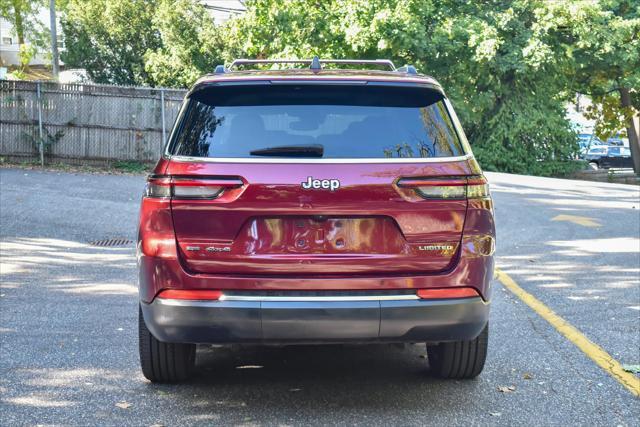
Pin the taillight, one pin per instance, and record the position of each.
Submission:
(447, 188)
(189, 188)
(477, 187)
(447, 293)
(158, 187)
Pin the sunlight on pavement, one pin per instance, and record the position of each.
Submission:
(579, 247)
(575, 186)
(628, 284)
(543, 278)
(62, 377)
(586, 203)
(21, 254)
(585, 297)
(39, 401)
(22, 258)
(101, 289)
(557, 285)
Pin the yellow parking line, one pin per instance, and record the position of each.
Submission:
(585, 221)
(593, 351)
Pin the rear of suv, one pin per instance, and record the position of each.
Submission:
(315, 205)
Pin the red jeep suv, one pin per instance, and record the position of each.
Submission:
(315, 205)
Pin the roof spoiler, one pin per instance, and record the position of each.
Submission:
(316, 63)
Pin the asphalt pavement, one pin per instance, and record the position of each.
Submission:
(68, 313)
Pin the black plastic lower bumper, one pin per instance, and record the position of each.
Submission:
(281, 322)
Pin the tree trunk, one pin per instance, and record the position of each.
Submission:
(17, 9)
(633, 128)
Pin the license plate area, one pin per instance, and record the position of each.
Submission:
(323, 235)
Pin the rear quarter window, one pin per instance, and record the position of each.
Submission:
(332, 121)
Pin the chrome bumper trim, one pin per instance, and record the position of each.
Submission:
(206, 303)
(319, 298)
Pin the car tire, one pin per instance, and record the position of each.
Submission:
(593, 165)
(163, 362)
(459, 359)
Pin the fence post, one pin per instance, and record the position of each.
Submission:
(164, 128)
(40, 137)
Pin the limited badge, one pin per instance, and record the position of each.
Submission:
(435, 248)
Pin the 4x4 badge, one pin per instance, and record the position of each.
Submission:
(326, 184)
(219, 249)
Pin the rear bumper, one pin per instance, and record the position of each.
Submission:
(282, 322)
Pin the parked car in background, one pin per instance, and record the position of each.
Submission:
(74, 75)
(609, 156)
(617, 140)
(587, 140)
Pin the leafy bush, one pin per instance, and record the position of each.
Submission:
(25, 55)
(47, 141)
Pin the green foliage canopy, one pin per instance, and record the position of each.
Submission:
(601, 50)
(109, 38)
(501, 73)
(509, 67)
(190, 44)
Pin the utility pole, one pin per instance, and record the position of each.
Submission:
(54, 40)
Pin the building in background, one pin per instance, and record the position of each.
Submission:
(223, 10)
(9, 47)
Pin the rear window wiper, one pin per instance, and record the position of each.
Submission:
(314, 150)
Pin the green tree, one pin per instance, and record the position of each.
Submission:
(143, 42)
(503, 77)
(602, 49)
(191, 45)
(294, 29)
(510, 67)
(109, 38)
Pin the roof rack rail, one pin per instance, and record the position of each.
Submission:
(314, 64)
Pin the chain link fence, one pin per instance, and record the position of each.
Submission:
(81, 123)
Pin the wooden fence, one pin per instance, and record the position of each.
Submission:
(85, 123)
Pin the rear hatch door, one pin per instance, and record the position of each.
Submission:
(308, 180)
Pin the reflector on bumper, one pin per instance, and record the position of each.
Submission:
(190, 294)
(447, 293)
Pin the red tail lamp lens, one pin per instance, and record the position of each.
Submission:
(190, 294)
(447, 293)
(189, 188)
(473, 187)
(158, 187)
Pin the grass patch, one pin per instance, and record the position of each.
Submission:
(131, 167)
(119, 167)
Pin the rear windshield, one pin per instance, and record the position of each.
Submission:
(315, 121)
